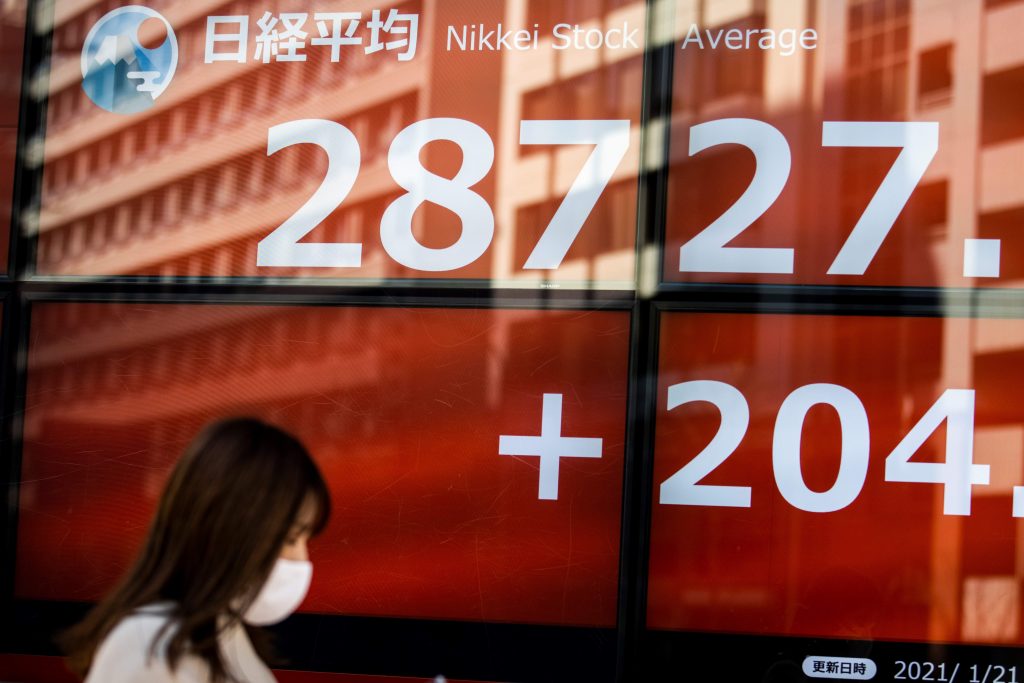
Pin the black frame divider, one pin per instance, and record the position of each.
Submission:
(14, 335)
(651, 208)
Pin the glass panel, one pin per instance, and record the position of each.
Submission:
(431, 520)
(833, 496)
(343, 141)
(873, 494)
(805, 134)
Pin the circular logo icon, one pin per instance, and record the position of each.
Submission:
(119, 72)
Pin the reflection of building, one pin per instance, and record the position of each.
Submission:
(578, 84)
(961, 64)
(168, 192)
(389, 400)
(958, 63)
(187, 189)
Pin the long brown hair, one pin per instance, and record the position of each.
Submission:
(222, 520)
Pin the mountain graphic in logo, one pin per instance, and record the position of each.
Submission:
(118, 73)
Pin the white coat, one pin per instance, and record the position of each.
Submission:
(124, 655)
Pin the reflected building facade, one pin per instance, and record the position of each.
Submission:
(956, 63)
(185, 191)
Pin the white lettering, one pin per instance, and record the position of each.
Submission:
(523, 39)
(808, 39)
(631, 37)
(786, 40)
(483, 40)
(480, 37)
(477, 38)
(562, 39)
(460, 40)
(693, 35)
(240, 39)
(566, 36)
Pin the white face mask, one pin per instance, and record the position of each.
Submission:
(282, 594)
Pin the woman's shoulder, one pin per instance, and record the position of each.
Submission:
(134, 650)
(142, 627)
(136, 631)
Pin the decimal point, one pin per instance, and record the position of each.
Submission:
(981, 258)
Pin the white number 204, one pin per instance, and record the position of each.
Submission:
(283, 248)
(957, 474)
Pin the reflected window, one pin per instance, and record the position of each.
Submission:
(1002, 109)
(935, 76)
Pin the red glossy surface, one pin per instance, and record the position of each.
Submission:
(187, 188)
(890, 565)
(403, 409)
(955, 65)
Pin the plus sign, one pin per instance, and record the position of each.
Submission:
(550, 446)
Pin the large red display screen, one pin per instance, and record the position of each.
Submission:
(841, 476)
(849, 143)
(424, 421)
(799, 223)
(346, 139)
